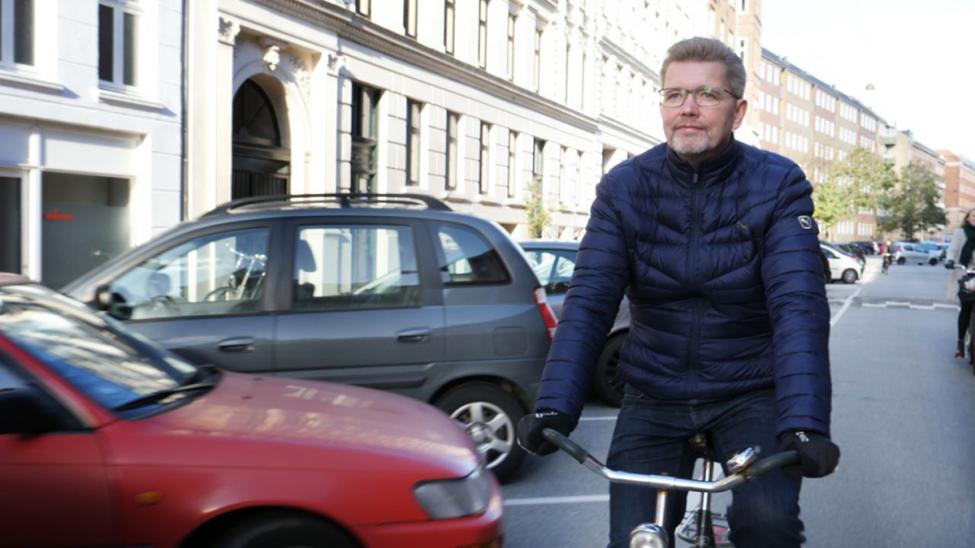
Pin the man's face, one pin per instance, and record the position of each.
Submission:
(697, 133)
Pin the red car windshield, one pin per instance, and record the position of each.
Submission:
(94, 353)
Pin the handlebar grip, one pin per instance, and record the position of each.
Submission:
(557, 439)
(778, 460)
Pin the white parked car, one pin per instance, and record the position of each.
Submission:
(842, 266)
(910, 252)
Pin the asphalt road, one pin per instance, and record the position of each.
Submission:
(903, 414)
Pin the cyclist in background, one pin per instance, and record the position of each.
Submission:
(960, 253)
(888, 256)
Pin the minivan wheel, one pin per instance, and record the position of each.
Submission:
(489, 415)
(606, 382)
(849, 276)
(901, 260)
(932, 261)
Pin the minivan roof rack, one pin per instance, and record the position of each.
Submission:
(345, 199)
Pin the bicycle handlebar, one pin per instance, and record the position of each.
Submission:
(778, 460)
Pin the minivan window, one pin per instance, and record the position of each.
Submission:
(553, 268)
(355, 266)
(466, 258)
(211, 275)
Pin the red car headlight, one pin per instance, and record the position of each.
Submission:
(446, 499)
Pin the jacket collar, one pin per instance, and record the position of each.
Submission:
(707, 172)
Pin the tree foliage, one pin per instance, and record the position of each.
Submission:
(858, 181)
(911, 203)
(538, 217)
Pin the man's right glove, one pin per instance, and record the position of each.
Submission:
(531, 425)
(949, 264)
(818, 456)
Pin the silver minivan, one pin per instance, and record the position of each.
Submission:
(395, 292)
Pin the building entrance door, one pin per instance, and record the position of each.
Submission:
(261, 165)
(10, 224)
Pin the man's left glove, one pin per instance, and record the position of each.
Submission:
(531, 425)
(818, 456)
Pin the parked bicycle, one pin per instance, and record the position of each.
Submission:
(742, 467)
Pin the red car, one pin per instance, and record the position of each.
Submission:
(107, 439)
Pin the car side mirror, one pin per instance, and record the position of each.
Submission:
(23, 411)
(111, 302)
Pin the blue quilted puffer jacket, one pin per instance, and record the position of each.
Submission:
(721, 265)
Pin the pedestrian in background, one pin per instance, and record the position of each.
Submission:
(960, 253)
(715, 245)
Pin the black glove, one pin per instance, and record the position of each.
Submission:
(818, 456)
(531, 425)
(949, 264)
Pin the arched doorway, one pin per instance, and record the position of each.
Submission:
(261, 166)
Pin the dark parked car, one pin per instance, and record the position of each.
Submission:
(554, 263)
(106, 439)
(386, 291)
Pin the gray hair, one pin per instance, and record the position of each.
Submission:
(709, 49)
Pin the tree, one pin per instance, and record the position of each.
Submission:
(866, 176)
(911, 203)
(833, 204)
(538, 217)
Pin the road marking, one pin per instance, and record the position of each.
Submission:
(601, 418)
(557, 500)
(845, 307)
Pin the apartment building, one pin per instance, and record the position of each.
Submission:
(90, 111)
(472, 101)
(959, 178)
(816, 125)
(738, 23)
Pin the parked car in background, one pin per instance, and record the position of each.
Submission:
(387, 291)
(850, 249)
(936, 249)
(843, 266)
(911, 252)
(827, 271)
(107, 439)
(868, 247)
(554, 262)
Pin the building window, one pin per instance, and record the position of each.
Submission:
(512, 167)
(10, 229)
(448, 25)
(409, 17)
(365, 103)
(484, 158)
(117, 36)
(363, 7)
(510, 66)
(537, 61)
(17, 32)
(538, 162)
(453, 121)
(413, 111)
(482, 34)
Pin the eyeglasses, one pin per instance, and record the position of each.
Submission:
(704, 96)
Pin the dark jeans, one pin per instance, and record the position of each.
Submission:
(651, 437)
(964, 316)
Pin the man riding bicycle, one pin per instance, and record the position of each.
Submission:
(888, 256)
(714, 243)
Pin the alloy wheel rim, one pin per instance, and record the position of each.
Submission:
(490, 428)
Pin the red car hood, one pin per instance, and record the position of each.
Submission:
(254, 419)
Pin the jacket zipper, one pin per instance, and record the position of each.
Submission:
(692, 269)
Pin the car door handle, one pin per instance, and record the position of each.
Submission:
(236, 344)
(414, 335)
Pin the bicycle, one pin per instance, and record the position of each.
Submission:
(966, 292)
(743, 466)
(886, 262)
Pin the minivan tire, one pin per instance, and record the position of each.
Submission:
(499, 412)
(849, 276)
(605, 380)
(901, 260)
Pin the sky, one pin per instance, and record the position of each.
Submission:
(919, 55)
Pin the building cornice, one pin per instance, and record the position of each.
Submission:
(620, 127)
(620, 53)
(354, 28)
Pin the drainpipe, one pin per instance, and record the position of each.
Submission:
(183, 184)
